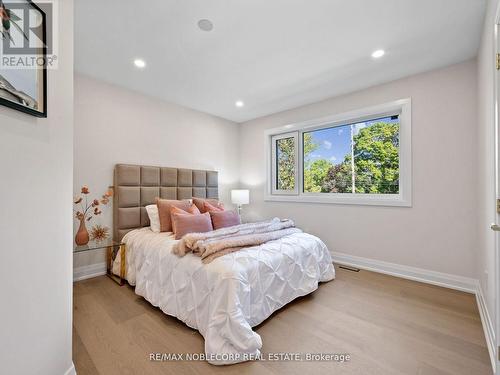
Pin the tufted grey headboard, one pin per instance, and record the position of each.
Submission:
(136, 186)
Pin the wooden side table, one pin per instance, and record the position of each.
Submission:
(112, 248)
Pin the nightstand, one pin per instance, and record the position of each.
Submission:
(112, 248)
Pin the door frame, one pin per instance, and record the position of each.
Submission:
(496, 171)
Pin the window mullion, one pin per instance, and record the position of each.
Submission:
(300, 162)
(353, 169)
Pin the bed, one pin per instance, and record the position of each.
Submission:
(224, 299)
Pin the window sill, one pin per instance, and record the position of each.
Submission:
(360, 199)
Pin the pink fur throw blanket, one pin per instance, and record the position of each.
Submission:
(211, 245)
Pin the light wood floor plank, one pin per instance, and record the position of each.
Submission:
(388, 326)
(85, 363)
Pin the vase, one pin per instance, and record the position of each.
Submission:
(82, 236)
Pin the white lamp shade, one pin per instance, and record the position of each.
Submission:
(240, 196)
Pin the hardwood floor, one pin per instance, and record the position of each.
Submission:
(387, 325)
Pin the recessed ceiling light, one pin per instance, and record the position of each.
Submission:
(239, 104)
(140, 63)
(205, 25)
(378, 53)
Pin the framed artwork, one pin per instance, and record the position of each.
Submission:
(23, 67)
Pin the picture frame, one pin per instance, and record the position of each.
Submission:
(21, 88)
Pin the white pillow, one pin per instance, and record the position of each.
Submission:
(154, 217)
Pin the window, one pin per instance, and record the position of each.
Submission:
(363, 157)
(356, 158)
(285, 161)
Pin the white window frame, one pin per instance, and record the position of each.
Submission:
(400, 107)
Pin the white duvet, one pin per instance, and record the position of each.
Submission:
(224, 299)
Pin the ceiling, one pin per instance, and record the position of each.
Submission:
(271, 54)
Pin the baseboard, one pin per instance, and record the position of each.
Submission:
(446, 280)
(488, 328)
(71, 370)
(86, 272)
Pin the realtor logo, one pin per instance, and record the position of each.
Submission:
(26, 34)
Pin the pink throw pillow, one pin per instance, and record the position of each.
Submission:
(223, 219)
(192, 210)
(211, 208)
(200, 203)
(188, 223)
(164, 211)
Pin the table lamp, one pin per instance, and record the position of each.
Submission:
(240, 197)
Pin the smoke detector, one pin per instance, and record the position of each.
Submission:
(205, 25)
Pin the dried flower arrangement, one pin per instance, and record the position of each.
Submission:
(99, 233)
(87, 212)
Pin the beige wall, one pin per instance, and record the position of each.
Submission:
(485, 167)
(439, 232)
(36, 160)
(114, 125)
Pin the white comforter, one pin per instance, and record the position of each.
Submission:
(223, 300)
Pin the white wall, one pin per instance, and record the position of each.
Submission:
(115, 125)
(36, 161)
(439, 232)
(486, 160)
